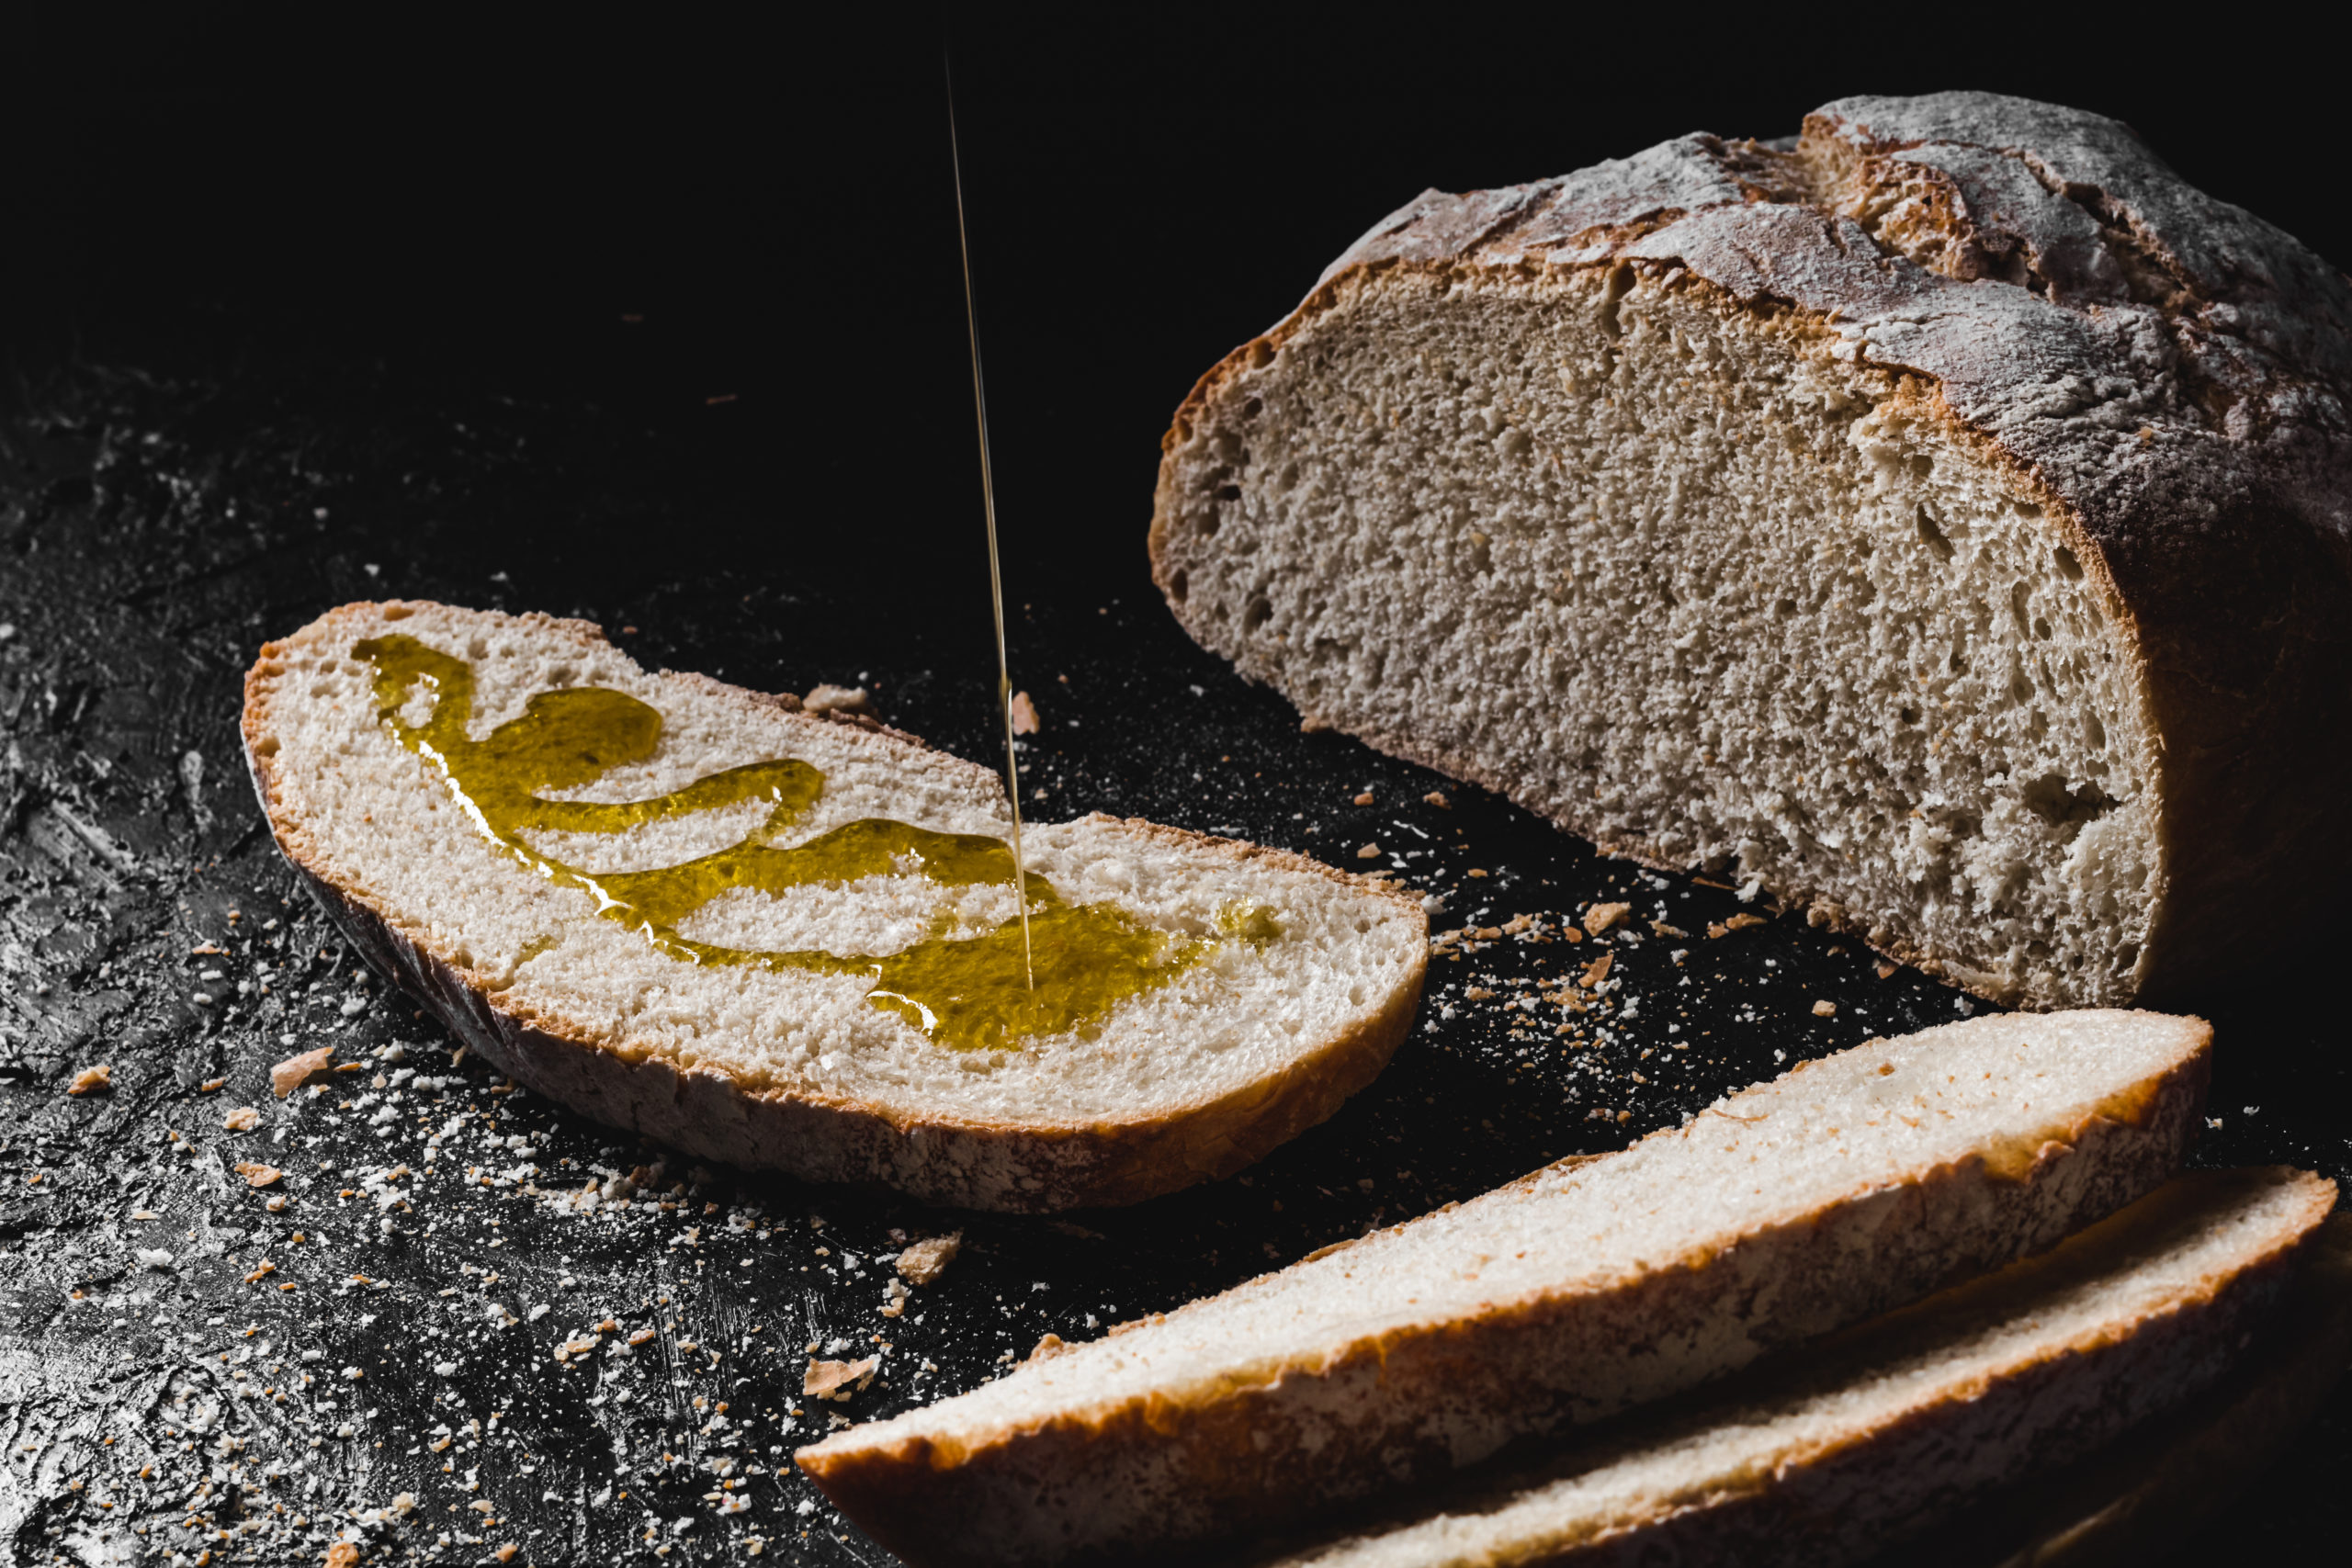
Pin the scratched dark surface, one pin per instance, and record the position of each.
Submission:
(230, 406)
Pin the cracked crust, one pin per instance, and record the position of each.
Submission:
(942, 1157)
(2167, 372)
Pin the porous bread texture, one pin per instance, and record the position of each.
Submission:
(1875, 1439)
(1840, 1189)
(795, 1069)
(1940, 522)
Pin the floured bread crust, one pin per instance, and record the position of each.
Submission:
(1983, 482)
(793, 1070)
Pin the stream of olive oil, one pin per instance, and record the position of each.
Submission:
(962, 991)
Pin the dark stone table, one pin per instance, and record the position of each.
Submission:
(305, 337)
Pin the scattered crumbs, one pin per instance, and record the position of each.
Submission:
(1437, 797)
(257, 1174)
(925, 1261)
(833, 1380)
(211, 1086)
(1024, 714)
(243, 1118)
(1886, 971)
(1364, 799)
(1824, 1009)
(1370, 852)
(1475, 871)
(825, 698)
(1600, 916)
(89, 1080)
(288, 1075)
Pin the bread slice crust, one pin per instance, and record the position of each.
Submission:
(1877, 1436)
(1034, 1164)
(2163, 376)
(1264, 1438)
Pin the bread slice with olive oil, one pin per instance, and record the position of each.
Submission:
(788, 940)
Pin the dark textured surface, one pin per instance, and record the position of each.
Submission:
(433, 391)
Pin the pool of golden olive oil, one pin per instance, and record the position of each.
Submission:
(961, 990)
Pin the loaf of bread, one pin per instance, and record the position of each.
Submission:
(783, 940)
(1886, 1432)
(1938, 519)
(1841, 1189)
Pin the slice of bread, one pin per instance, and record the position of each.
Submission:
(1895, 1427)
(1936, 521)
(2139, 1499)
(1839, 1191)
(786, 940)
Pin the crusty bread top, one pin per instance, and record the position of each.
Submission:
(2162, 354)
(1998, 1090)
(375, 820)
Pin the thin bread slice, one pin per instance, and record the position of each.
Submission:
(1839, 1191)
(1898, 1426)
(2138, 1499)
(786, 940)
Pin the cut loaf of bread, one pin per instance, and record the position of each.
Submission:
(1839, 1191)
(749, 1027)
(1936, 519)
(1892, 1428)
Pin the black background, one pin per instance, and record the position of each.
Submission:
(659, 322)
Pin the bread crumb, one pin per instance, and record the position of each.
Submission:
(1824, 1010)
(1370, 852)
(262, 1270)
(241, 1120)
(1659, 927)
(1600, 916)
(210, 1085)
(1364, 799)
(1310, 725)
(831, 1379)
(1741, 922)
(1024, 715)
(1478, 994)
(1518, 925)
(925, 1261)
(506, 1553)
(836, 699)
(1437, 797)
(1474, 871)
(1886, 971)
(89, 1080)
(1052, 1345)
(287, 1075)
(343, 1554)
(1598, 970)
(256, 1174)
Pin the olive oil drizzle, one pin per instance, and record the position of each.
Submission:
(995, 989)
